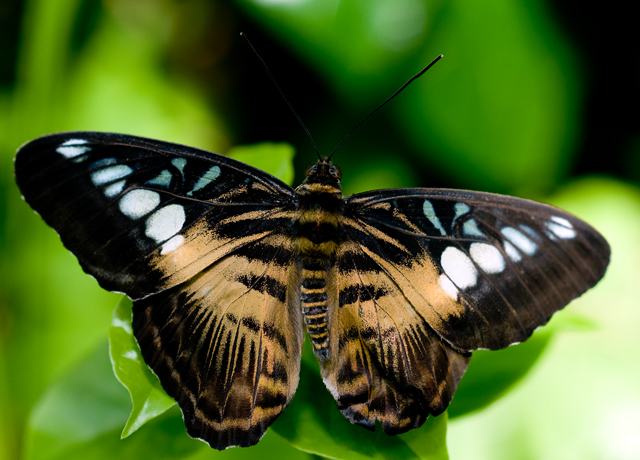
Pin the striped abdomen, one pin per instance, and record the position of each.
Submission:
(316, 241)
(313, 299)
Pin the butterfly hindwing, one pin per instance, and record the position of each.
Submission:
(227, 343)
(483, 270)
(386, 362)
(144, 215)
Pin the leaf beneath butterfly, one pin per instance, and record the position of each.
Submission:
(83, 405)
(492, 374)
(82, 414)
(147, 396)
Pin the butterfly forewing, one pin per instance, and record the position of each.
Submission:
(144, 215)
(483, 270)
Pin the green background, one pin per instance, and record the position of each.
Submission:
(530, 99)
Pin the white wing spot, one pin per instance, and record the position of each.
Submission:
(470, 228)
(488, 257)
(430, 213)
(206, 179)
(75, 142)
(447, 286)
(519, 240)
(73, 150)
(459, 268)
(561, 231)
(561, 221)
(460, 210)
(172, 244)
(114, 189)
(139, 202)
(103, 162)
(179, 163)
(163, 179)
(110, 174)
(165, 222)
(512, 252)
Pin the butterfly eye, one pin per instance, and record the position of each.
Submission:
(335, 172)
(312, 169)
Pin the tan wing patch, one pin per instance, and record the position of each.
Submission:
(420, 282)
(226, 344)
(385, 362)
(204, 244)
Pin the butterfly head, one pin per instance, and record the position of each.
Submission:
(321, 177)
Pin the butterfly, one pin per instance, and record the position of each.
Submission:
(228, 266)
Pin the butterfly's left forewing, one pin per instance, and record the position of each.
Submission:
(199, 241)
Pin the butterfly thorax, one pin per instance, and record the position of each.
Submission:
(317, 235)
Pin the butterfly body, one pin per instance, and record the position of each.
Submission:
(227, 266)
(317, 235)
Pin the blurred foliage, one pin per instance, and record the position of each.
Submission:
(509, 109)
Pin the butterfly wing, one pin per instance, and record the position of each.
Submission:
(482, 270)
(385, 361)
(227, 343)
(199, 242)
(426, 276)
(144, 215)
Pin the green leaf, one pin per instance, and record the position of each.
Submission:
(147, 396)
(84, 405)
(501, 116)
(270, 447)
(313, 423)
(276, 159)
(492, 373)
(81, 417)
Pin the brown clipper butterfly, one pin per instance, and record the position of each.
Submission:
(227, 266)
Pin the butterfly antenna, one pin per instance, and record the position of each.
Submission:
(419, 74)
(275, 83)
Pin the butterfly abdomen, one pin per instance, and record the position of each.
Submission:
(316, 243)
(313, 299)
